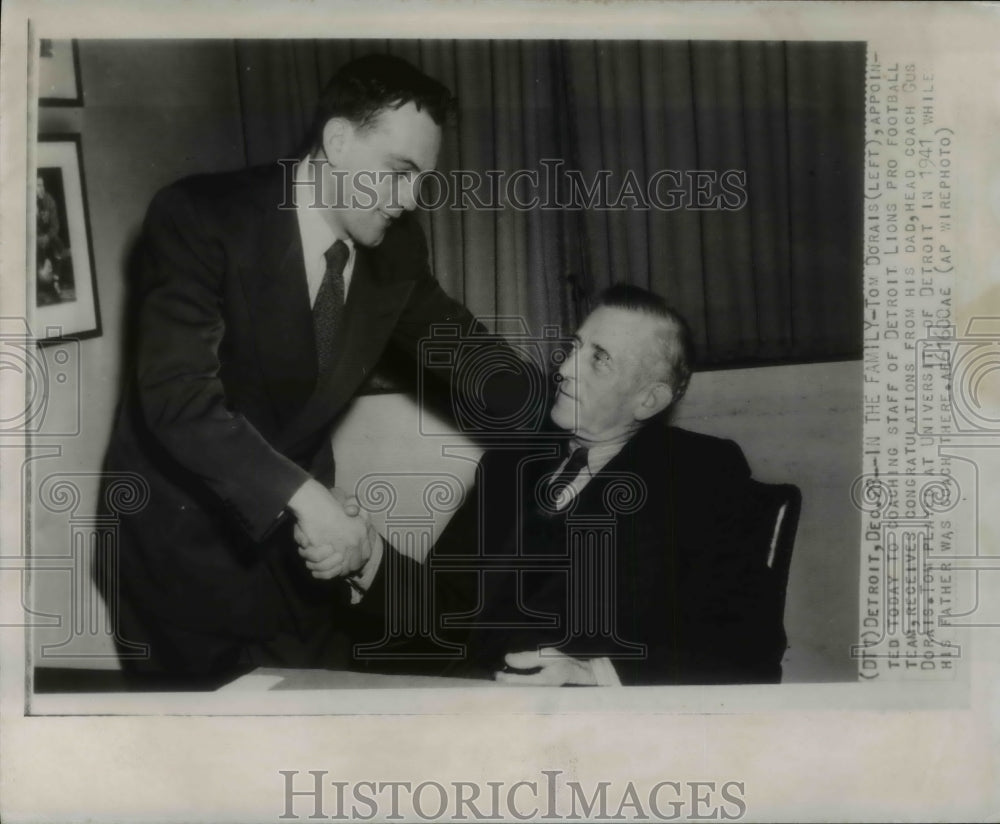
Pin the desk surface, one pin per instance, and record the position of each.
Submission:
(266, 679)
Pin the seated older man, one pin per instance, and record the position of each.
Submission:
(613, 552)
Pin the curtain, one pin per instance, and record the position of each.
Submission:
(767, 270)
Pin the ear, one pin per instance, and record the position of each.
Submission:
(336, 134)
(652, 400)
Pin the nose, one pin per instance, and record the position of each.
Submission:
(567, 369)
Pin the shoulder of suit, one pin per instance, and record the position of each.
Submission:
(696, 440)
(706, 451)
(258, 187)
(234, 205)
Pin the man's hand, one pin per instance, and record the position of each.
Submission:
(556, 670)
(332, 537)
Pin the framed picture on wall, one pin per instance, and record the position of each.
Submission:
(62, 292)
(59, 73)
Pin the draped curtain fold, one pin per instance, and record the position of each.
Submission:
(776, 280)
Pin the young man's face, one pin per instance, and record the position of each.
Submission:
(372, 171)
(606, 378)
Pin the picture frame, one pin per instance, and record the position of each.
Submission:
(62, 280)
(59, 73)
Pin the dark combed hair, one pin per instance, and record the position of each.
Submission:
(364, 88)
(678, 352)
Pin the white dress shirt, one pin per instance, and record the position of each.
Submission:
(598, 457)
(316, 233)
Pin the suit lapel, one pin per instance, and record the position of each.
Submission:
(374, 302)
(278, 300)
(643, 458)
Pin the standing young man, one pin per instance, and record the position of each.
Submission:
(263, 298)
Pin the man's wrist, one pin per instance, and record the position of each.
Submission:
(302, 496)
(371, 552)
(362, 579)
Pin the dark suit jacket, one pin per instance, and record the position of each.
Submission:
(658, 549)
(224, 415)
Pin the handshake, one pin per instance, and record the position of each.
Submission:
(334, 535)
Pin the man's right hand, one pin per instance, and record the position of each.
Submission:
(332, 541)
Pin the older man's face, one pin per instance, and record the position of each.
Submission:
(603, 381)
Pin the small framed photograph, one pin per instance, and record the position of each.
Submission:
(59, 73)
(63, 285)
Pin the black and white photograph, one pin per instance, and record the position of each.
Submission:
(53, 256)
(588, 394)
(625, 275)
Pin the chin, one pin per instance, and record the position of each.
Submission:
(368, 235)
(372, 240)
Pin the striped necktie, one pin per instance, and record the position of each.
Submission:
(329, 305)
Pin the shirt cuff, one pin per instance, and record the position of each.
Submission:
(605, 673)
(361, 581)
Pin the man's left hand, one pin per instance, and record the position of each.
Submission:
(556, 670)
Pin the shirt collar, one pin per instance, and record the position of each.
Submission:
(599, 455)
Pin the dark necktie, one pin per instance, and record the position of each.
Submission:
(576, 462)
(329, 305)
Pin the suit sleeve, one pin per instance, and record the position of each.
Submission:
(453, 593)
(503, 381)
(183, 401)
(400, 616)
(406, 593)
